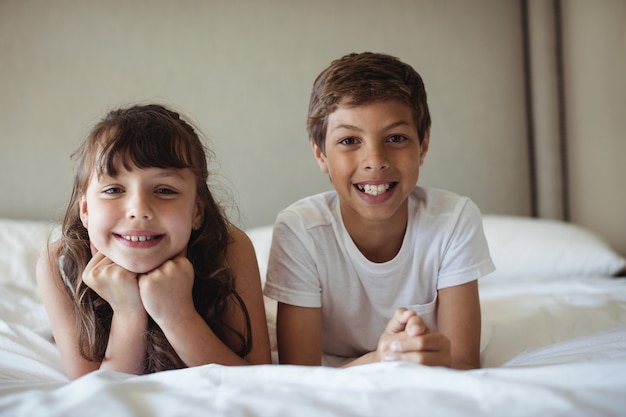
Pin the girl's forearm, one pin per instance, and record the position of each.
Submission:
(126, 348)
(196, 344)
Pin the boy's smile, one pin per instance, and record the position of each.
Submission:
(372, 155)
(375, 189)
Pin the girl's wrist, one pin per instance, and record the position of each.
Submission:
(173, 321)
(132, 318)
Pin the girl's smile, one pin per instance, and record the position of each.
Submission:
(140, 218)
(140, 240)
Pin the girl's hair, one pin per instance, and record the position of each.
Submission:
(357, 79)
(150, 136)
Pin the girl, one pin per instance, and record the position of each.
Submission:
(148, 274)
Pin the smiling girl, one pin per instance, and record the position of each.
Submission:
(149, 275)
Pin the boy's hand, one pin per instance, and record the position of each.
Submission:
(407, 338)
(166, 291)
(113, 283)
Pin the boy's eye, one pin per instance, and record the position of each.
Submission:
(348, 141)
(397, 138)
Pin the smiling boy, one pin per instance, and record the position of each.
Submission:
(379, 269)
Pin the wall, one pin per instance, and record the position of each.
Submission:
(242, 70)
(595, 75)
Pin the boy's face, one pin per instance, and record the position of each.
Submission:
(373, 156)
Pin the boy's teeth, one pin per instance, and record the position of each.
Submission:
(372, 189)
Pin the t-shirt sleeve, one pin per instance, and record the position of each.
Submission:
(466, 257)
(292, 276)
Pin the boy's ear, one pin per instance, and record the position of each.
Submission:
(319, 156)
(424, 146)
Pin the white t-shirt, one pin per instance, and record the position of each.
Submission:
(314, 263)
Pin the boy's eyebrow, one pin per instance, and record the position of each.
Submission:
(386, 128)
(397, 124)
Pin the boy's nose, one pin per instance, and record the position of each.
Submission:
(376, 158)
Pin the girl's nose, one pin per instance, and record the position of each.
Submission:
(139, 208)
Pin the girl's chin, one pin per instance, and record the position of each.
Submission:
(136, 267)
(139, 271)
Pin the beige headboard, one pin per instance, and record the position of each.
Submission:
(527, 99)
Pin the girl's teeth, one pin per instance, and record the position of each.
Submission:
(374, 190)
(138, 238)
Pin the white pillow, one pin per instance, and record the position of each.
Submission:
(524, 247)
(21, 242)
(261, 238)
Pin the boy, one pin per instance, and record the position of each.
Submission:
(379, 269)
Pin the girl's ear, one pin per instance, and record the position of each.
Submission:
(198, 215)
(83, 212)
(319, 156)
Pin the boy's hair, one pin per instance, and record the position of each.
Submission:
(142, 137)
(357, 79)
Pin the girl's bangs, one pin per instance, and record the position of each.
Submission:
(143, 148)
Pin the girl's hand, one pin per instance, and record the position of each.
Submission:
(166, 291)
(407, 338)
(115, 284)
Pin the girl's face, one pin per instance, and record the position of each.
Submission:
(141, 218)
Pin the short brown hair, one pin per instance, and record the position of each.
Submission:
(362, 78)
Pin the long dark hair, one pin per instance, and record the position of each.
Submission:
(150, 136)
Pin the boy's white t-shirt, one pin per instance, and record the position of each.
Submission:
(314, 263)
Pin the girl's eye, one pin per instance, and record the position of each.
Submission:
(397, 138)
(348, 141)
(112, 190)
(165, 191)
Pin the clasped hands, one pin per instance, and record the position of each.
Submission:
(163, 293)
(407, 338)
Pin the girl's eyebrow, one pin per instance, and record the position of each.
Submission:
(165, 172)
(162, 173)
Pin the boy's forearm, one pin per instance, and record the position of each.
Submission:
(362, 360)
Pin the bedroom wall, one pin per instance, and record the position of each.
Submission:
(243, 70)
(595, 77)
(589, 115)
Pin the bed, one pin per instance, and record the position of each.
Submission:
(553, 343)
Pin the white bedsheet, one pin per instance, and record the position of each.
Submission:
(549, 347)
(582, 389)
(554, 348)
